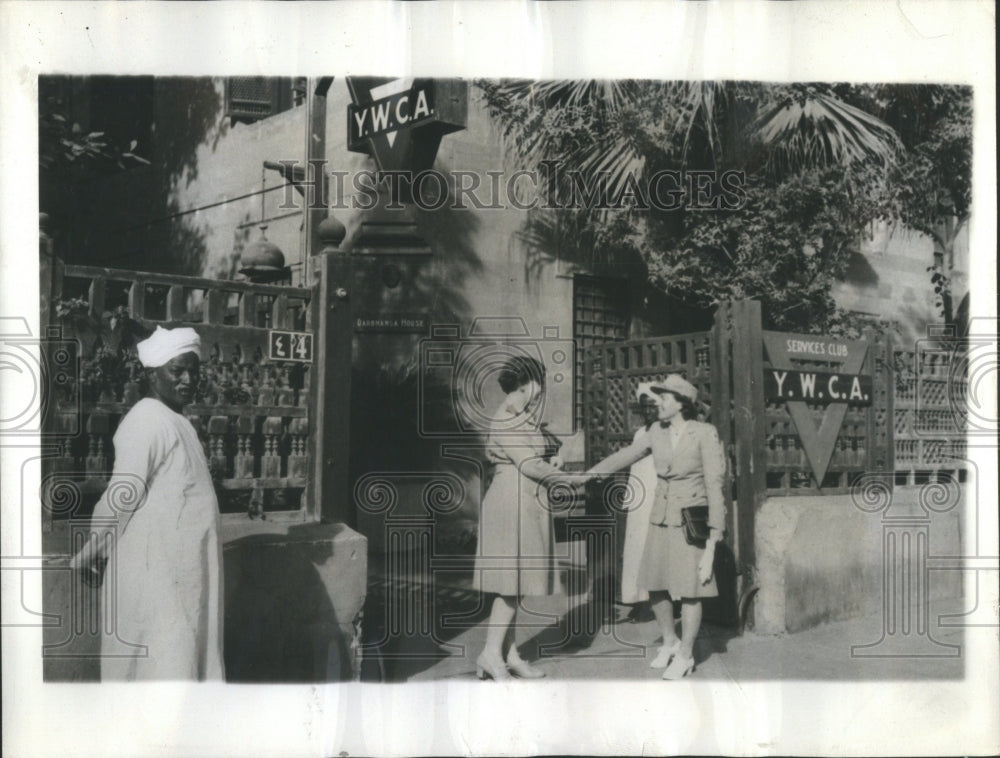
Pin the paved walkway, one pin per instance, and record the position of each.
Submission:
(622, 650)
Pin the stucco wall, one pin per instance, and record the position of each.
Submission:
(887, 277)
(822, 558)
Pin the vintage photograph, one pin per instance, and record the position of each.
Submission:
(395, 379)
(557, 378)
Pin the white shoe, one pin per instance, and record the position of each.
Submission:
(666, 653)
(679, 667)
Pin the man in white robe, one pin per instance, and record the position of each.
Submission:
(157, 524)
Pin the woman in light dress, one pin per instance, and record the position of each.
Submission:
(690, 465)
(514, 557)
(156, 526)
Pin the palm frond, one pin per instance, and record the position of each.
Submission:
(820, 130)
(529, 108)
(605, 93)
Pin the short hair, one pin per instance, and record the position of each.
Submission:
(689, 410)
(518, 370)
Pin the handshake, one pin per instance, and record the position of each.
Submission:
(567, 483)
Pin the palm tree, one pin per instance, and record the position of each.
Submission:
(613, 127)
(864, 152)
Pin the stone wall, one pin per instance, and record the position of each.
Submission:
(293, 595)
(823, 559)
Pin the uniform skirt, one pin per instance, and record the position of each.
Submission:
(669, 563)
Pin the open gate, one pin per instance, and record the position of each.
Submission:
(764, 444)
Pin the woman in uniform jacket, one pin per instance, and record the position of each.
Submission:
(690, 467)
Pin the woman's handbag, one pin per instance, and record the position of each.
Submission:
(694, 521)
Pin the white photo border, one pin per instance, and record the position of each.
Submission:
(816, 41)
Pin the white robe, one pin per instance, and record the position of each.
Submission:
(637, 526)
(163, 584)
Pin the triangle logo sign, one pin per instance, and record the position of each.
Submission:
(399, 122)
(818, 441)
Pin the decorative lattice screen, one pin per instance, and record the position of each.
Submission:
(930, 411)
(254, 415)
(614, 370)
(600, 315)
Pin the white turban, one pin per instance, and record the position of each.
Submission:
(165, 344)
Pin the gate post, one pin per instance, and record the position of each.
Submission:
(738, 323)
(881, 445)
(332, 499)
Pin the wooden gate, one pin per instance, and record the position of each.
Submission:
(763, 444)
(613, 370)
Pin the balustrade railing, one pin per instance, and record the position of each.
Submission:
(252, 414)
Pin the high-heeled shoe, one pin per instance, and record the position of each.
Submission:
(679, 667)
(494, 668)
(524, 670)
(667, 652)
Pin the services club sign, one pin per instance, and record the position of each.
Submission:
(835, 384)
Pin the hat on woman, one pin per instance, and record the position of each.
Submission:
(677, 384)
(165, 344)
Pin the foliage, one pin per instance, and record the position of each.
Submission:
(784, 247)
(62, 145)
(68, 155)
(109, 366)
(821, 163)
(931, 189)
(64, 148)
(932, 182)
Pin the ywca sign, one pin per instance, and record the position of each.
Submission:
(407, 108)
(400, 122)
(817, 387)
(838, 385)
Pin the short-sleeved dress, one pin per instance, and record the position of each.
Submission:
(163, 579)
(514, 556)
(690, 473)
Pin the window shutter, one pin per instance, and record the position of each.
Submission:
(251, 98)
